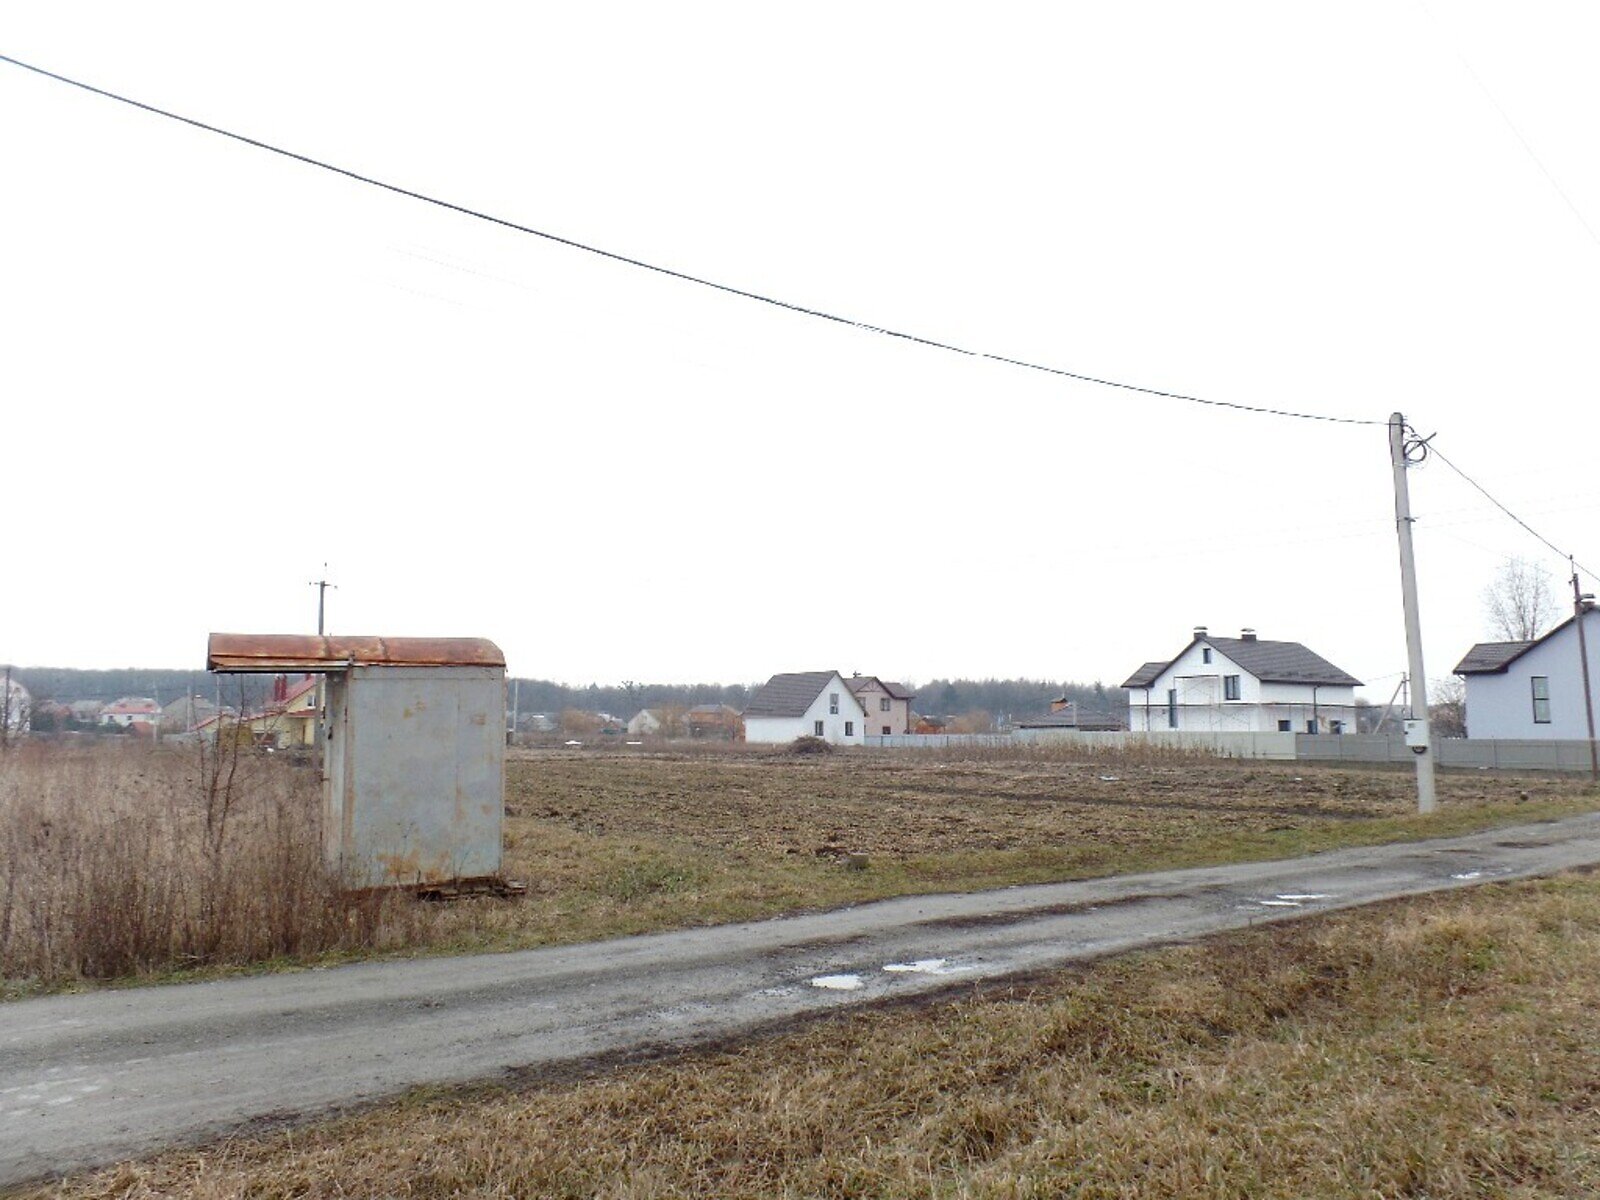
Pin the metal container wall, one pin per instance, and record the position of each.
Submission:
(414, 789)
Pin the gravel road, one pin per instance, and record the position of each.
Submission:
(90, 1079)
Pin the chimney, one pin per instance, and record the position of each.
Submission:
(1247, 635)
(1199, 631)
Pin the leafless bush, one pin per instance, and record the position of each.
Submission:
(129, 859)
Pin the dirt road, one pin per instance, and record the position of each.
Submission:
(89, 1079)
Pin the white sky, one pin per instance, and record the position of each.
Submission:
(221, 368)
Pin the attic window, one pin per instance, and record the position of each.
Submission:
(1205, 654)
(833, 703)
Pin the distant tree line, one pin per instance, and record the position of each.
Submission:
(1001, 698)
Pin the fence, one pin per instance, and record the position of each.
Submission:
(1495, 754)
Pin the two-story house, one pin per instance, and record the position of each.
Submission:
(805, 704)
(887, 705)
(1242, 685)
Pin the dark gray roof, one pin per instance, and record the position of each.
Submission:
(788, 695)
(1067, 719)
(898, 691)
(1145, 675)
(714, 708)
(1270, 662)
(1488, 658)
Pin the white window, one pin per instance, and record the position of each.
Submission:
(1541, 699)
(833, 703)
(849, 729)
(1230, 687)
(817, 729)
(883, 705)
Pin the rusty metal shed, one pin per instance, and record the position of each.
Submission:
(413, 750)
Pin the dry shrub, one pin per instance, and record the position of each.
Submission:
(126, 859)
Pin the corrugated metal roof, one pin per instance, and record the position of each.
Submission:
(790, 694)
(308, 652)
(1066, 718)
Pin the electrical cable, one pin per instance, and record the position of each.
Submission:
(684, 276)
(1440, 454)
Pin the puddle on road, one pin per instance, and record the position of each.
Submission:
(925, 966)
(837, 983)
(1293, 899)
(1467, 875)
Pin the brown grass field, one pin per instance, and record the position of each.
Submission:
(113, 868)
(1442, 1047)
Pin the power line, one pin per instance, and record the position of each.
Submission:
(684, 276)
(1434, 451)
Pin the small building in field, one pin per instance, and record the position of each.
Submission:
(413, 751)
(1242, 685)
(1532, 689)
(887, 705)
(1064, 714)
(805, 704)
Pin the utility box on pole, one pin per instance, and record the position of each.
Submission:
(413, 752)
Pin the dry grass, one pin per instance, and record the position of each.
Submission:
(125, 861)
(104, 856)
(1442, 1047)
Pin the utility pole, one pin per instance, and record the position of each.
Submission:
(322, 585)
(1418, 735)
(1580, 602)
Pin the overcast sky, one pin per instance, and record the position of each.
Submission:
(222, 368)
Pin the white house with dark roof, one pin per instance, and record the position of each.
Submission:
(805, 704)
(1532, 689)
(887, 704)
(1242, 685)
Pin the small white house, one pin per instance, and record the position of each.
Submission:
(887, 705)
(1532, 689)
(1242, 685)
(805, 704)
(644, 724)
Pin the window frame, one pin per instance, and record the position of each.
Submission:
(849, 729)
(1231, 687)
(833, 704)
(820, 729)
(1540, 699)
(1172, 708)
(1205, 654)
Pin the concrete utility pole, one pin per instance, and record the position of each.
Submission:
(1580, 602)
(322, 585)
(1418, 734)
